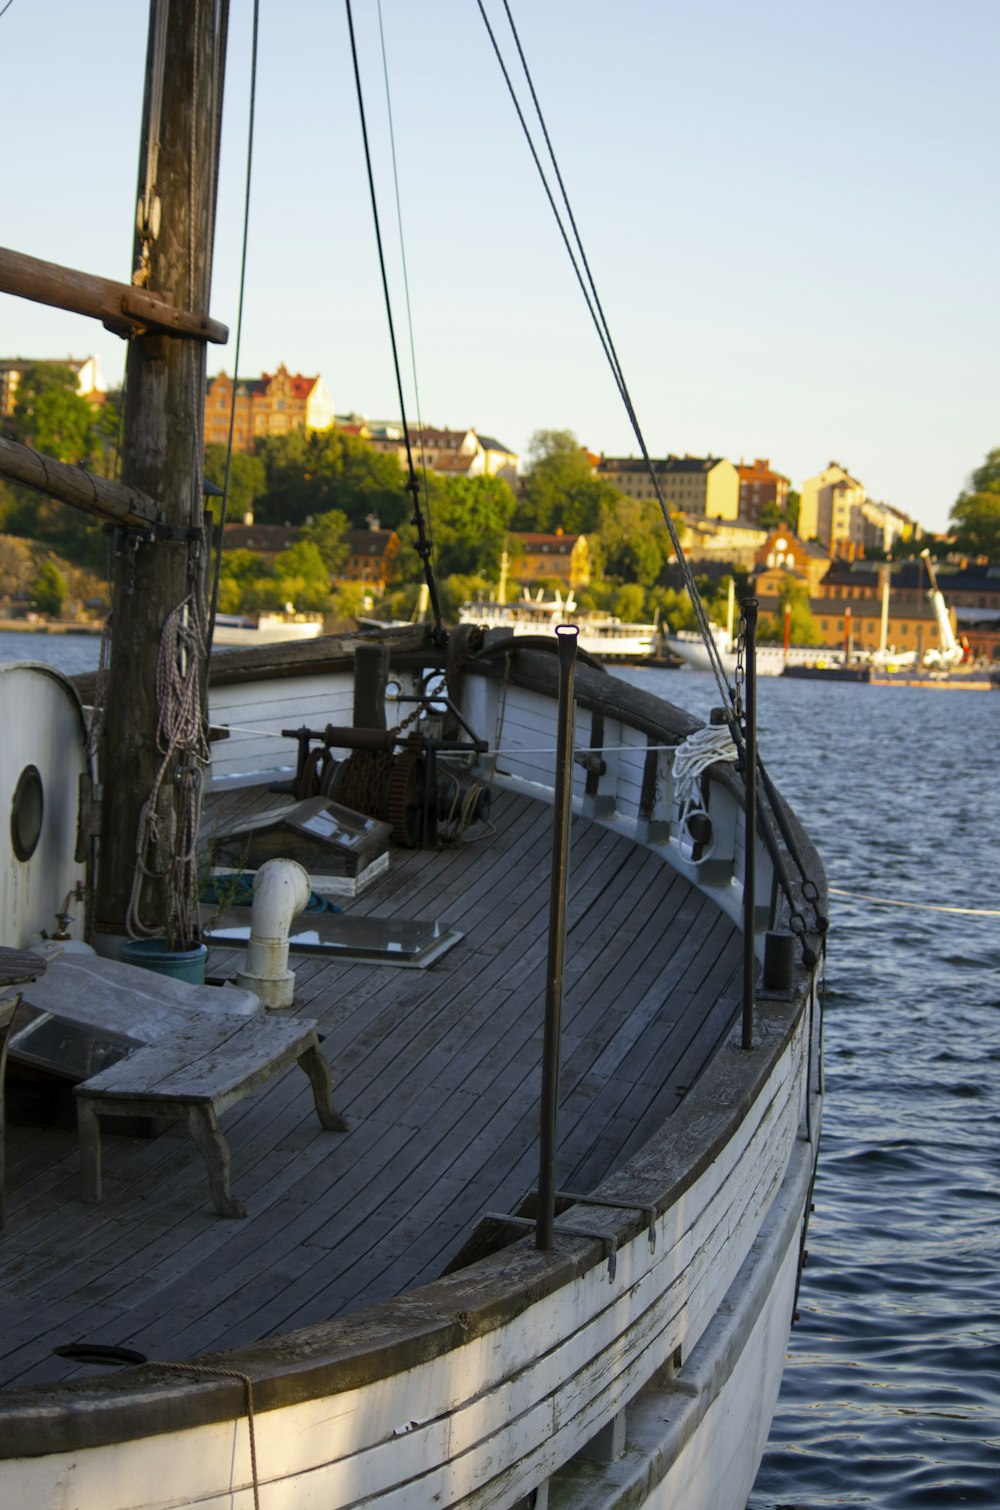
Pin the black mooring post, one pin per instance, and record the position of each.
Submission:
(549, 1110)
(749, 609)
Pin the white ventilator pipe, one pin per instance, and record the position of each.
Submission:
(280, 892)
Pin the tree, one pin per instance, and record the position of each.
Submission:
(247, 480)
(301, 577)
(560, 490)
(328, 533)
(49, 589)
(469, 518)
(310, 472)
(50, 415)
(976, 511)
(633, 540)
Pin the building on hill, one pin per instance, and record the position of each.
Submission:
(87, 371)
(541, 557)
(371, 556)
(785, 552)
(759, 487)
(268, 405)
(835, 510)
(454, 453)
(708, 486)
(732, 541)
(267, 540)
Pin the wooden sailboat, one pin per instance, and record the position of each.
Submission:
(430, 1299)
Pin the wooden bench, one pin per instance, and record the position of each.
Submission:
(198, 1050)
(203, 1069)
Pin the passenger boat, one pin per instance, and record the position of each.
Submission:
(546, 1249)
(600, 634)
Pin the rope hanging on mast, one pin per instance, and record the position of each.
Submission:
(424, 544)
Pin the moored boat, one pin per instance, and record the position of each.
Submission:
(541, 1239)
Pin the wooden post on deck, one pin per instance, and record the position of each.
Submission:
(163, 446)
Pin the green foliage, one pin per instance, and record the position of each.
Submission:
(247, 480)
(470, 517)
(242, 581)
(462, 588)
(310, 472)
(975, 514)
(327, 533)
(298, 576)
(634, 545)
(559, 491)
(50, 415)
(302, 578)
(49, 590)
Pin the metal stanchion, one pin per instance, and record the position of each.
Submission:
(549, 1110)
(749, 610)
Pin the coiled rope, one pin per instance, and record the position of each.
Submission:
(182, 740)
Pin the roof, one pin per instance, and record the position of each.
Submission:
(558, 543)
(369, 542)
(489, 444)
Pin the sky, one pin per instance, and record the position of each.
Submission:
(790, 210)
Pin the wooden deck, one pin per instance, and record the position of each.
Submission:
(437, 1074)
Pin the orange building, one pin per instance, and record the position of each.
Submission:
(268, 405)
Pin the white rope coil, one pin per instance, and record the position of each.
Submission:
(693, 757)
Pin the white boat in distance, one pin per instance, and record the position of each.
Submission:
(601, 634)
(689, 647)
(265, 628)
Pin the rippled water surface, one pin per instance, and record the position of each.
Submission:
(891, 1397)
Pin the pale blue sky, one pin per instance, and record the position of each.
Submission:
(790, 209)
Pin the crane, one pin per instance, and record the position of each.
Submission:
(949, 652)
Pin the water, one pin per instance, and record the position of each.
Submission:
(891, 1398)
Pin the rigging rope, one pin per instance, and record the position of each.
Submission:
(424, 547)
(859, 896)
(224, 502)
(595, 308)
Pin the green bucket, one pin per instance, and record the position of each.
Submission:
(153, 954)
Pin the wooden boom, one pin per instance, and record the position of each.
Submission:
(76, 486)
(126, 310)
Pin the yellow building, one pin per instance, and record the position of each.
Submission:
(705, 485)
(268, 405)
(830, 509)
(538, 557)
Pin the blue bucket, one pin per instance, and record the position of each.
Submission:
(153, 954)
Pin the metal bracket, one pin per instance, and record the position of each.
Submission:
(649, 1213)
(610, 1244)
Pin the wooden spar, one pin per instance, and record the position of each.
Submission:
(126, 310)
(162, 447)
(76, 486)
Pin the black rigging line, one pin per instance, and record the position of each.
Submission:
(6, 9)
(239, 329)
(424, 546)
(594, 306)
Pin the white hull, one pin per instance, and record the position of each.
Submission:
(600, 635)
(689, 647)
(270, 629)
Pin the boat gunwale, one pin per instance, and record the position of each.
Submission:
(360, 1348)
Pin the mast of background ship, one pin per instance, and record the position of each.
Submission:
(164, 415)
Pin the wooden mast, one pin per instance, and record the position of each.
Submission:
(163, 434)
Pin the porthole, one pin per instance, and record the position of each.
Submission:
(26, 813)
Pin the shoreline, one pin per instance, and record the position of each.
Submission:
(50, 626)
